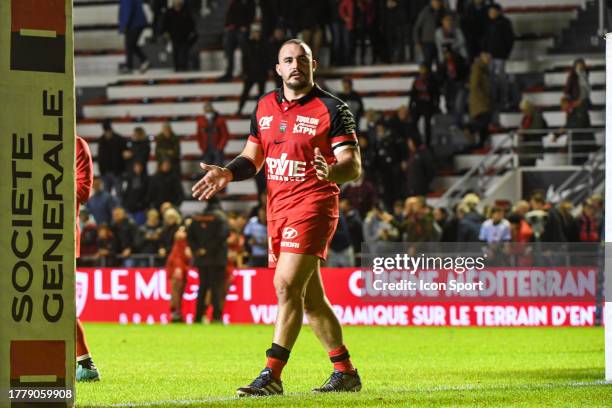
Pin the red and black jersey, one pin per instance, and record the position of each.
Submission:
(84, 180)
(288, 132)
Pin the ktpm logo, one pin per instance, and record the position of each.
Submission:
(265, 122)
(38, 35)
(289, 233)
(82, 289)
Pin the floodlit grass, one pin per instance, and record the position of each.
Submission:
(201, 366)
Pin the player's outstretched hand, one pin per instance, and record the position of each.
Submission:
(320, 165)
(214, 180)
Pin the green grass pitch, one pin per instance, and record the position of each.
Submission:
(201, 366)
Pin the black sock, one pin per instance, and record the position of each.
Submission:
(278, 352)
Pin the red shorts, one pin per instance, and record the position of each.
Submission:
(309, 234)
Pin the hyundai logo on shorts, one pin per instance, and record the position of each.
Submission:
(289, 233)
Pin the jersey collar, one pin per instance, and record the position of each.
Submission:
(303, 100)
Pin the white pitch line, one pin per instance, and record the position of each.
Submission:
(399, 390)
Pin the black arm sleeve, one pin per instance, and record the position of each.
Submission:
(241, 168)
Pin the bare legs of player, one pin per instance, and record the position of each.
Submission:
(178, 288)
(297, 281)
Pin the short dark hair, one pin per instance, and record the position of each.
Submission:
(299, 42)
(538, 197)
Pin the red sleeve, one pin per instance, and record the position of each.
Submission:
(84, 171)
(224, 133)
(200, 134)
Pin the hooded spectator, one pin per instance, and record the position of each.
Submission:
(213, 135)
(168, 146)
(165, 186)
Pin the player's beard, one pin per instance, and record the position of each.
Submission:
(296, 83)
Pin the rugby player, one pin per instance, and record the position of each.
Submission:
(306, 137)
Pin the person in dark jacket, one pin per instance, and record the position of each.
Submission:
(531, 121)
(111, 163)
(341, 252)
(254, 71)
(165, 186)
(179, 25)
(424, 98)
(419, 168)
(577, 88)
(168, 146)
(498, 41)
(453, 75)
(311, 15)
(125, 235)
(577, 117)
(100, 203)
(138, 149)
(238, 20)
(132, 21)
(474, 20)
(274, 44)
(151, 233)
(354, 224)
(352, 99)
(207, 237)
(135, 192)
(213, 135)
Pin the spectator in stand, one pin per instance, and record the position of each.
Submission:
(172, 220)
(111, 163)
(135, 193)
(453, 74)
(368, 157)
(106, 246)
(256, 234)
(352, 99)
(583, 142)
(101, 203)
(419, 168)
(89, 236)
(377, 228)
(138, 149)
(346, 12)
(418, 223)
(498, 41)
(310, 17)
(168, 146)
(365, 15)
(587, 223)
(254, 71)
(570, 224)
(402, 125)
(213, 135)
(132, 21)
(480, 106)
(338, 42)
(496, 229)
(470, 219)
(532, 120)
(520, 229)
(158, 8)
(125, 235)
(341, 253)
(474, 20)
(239, 17)
(354, 223)
(165, 186)
(425, 28)
(390, 151)
(424, 99)
(577, 88)
(361, 194)
(207, 237)
(449, 38)
(150, 234)
(180, 27)
(395, 25)
(177, 267)
(450, 226)
(262, 202)
(269, 17)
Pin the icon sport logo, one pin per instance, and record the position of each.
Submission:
(265, 122)
(289, 233)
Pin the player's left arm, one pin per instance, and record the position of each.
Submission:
(346, 168)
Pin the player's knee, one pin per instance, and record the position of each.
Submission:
(286, 291)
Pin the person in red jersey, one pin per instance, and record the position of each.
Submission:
(86, 369)
(306, 139)
(177, 267)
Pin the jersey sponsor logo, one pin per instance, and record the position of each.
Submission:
(265, 122)
(289, 233)
(283, 126)
(305, 125)
(282, 169)
(286, 244)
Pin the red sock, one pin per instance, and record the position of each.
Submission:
(276, 366)
(341, 359)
